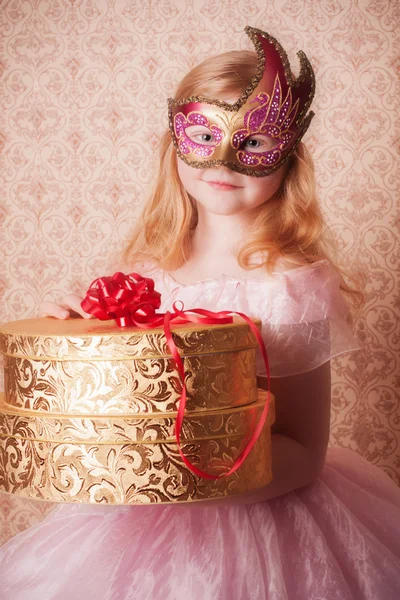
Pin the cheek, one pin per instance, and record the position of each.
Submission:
(191, 180)
(188, 175)
(272, 182)
(265, 187)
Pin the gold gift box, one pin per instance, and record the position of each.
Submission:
(89, 410)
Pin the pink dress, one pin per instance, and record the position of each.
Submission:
(337, 538)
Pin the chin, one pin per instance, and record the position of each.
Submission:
(223, 211)
(221, 206)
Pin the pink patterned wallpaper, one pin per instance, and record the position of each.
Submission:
(83, 90)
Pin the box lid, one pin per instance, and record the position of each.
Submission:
(78, 338)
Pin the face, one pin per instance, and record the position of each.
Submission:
(248, 194)
(248, 141)
(243, 192)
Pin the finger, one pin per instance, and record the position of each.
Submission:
(51, 309)
(72, 302)
(69, 306)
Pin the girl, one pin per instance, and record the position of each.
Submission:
(233, 224)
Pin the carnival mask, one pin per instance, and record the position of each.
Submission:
(273, 107)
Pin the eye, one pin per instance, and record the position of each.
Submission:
(200, 135)
(254, 145)
(260, 143)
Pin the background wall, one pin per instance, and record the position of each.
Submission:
(83, 102)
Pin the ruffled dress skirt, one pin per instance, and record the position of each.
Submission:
(337, 538)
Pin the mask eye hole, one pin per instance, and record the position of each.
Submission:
(259, 143)
(201, 135)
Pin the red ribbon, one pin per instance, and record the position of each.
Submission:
(132, 301)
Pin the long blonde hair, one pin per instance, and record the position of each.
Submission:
(290, 225)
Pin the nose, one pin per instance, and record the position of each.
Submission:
(222, 171)
(226, 175)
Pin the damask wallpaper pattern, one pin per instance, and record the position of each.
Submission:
(83, 91)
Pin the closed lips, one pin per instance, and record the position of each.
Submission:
(223, 183)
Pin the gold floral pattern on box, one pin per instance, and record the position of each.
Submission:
(119, 472)
(80, 367)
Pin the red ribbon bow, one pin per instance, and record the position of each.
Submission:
(132, 301)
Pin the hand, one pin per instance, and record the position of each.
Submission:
(70, 306)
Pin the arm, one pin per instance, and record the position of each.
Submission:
(300, 435)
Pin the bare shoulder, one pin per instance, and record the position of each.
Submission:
(143, 267)
(284, 264)
(302, 406)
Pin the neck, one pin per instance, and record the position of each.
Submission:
(219, 236)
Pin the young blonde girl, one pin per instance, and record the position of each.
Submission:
(328, 525)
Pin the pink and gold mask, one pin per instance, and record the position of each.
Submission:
(271, 109)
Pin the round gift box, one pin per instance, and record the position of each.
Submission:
(89, 412)
(122, 459)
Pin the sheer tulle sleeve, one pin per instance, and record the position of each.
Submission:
(304, 315)
(307, 323)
